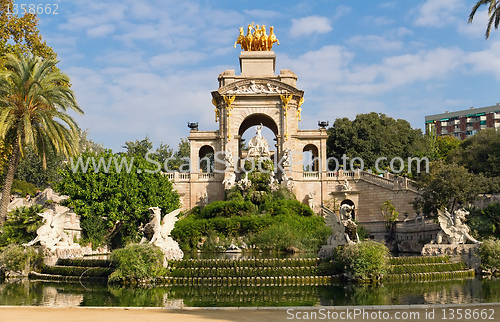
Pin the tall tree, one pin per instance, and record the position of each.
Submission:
(137, 147)
(19, 33)
(113, 195)
(447, 186)
(480, 153)
(493, 12)
(371, 136)
(34, 99)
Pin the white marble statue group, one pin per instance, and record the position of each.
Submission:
(258, 146)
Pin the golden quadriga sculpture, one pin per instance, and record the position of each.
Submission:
(256, 38)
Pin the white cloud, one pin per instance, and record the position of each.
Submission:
(375, 43)
(438, 13)
(486, 61)
(331, 69)
(341, 11)
(176, 58)
(477, 28)
(321, 68)
(100, 31)
(309, 25)
(261, 14)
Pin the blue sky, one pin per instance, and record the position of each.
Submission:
(147, 67)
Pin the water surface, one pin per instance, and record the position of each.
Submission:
(37, 293)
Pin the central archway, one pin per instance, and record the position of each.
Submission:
(245, 133)
(257, 119)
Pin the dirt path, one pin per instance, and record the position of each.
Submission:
(485, 312)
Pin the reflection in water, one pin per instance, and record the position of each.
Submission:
(24, 292)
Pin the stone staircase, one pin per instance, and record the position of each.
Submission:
(411, 269)
(246, 272)
(75, 270)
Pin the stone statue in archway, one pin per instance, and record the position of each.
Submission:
(258, 146)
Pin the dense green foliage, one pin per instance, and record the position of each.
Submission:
(137, 262)
(367, 260)
(113, 205)
(484, 222)
(22, 188)
(281, 225)
(480, 153)
(34, 99)
(18, 259)
(371, 136)
(31, 168)
(447, 186)
(21, 225)
(257, 216)
(489, 252)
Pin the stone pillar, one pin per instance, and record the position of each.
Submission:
(257, 63)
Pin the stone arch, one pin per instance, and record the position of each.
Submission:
(313, 149)
(257, 119)
(350, 203)
(248, 120)
(205, 157)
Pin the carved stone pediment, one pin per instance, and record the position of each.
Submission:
(257, 86)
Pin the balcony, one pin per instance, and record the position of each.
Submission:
(311, 175)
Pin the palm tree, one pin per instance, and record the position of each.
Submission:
(34, 98)
(493, 12)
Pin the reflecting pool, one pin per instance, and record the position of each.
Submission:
(37, 293)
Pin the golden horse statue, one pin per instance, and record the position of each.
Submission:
(241, 39)
(271, 39)
(248, 39)
(256, 38)
(263, 39)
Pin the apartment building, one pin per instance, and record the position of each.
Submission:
(465, 123)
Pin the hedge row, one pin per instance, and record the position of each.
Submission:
(429, 276)
(247, 281)
(77, 271)
(244, 272)
(418, 260)
(83, 262)
(229, 263)
(427, 268)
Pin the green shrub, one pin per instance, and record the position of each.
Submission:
(234, 194)
(367, 260)
(277, 237)
(19, 259)
(227, 209)
(137, 262)
(21, 225)
(282, 193)
(285, 207)
(489, 252)
(23, 188)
